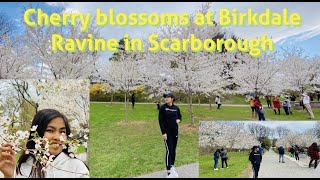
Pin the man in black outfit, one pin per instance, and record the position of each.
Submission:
(169, 118)
(133, 100)
(255, 157)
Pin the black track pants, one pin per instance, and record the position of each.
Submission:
(171, 144)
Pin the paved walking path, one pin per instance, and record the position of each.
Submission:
(271, 168)
(185, 171)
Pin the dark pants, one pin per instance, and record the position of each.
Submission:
(133, 104)
(224, 160)
(219, 106)
(315, 163)
(260, 115)
(216, 163)
(255, 169)
(281, 157)
(297, 156)
(269, 104)
(171, 144)
(286, 110)
(275, 112)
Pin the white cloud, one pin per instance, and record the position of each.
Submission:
(57, 3)
(308, 12)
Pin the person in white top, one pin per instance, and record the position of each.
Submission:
(218, 101)
(306, 103)
(51, 124)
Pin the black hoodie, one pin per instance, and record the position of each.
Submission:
(168, 116)
(255, 157)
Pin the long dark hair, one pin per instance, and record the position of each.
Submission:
(41, 119)
(217, 151)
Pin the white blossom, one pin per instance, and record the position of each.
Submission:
(34, 128)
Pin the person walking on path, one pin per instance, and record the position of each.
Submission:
(216, 157)
(259, 109)
(292, 151)
(296, 152)
(281, 153)
(218, 101)
(253, 111)
(255, 158)
(276, 104)
(169, 118)
(133, 100)
(306, 103)
(318, 96)
(268, 101)
(224, 157)
(260, 150)
(313, 152)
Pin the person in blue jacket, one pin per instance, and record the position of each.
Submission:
(281, 153)
(216, 156)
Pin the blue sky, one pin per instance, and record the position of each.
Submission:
(308, 11)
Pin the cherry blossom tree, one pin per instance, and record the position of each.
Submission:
(304, 139)
(59, 65)
(13, 62)
(281, 131)
(157, 74)
(193, 71)
(261, 75)
(301, 73)
(259, 130)
(234, 136)
(124, 74)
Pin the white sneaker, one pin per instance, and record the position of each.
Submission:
(173, 172)
(215, 169)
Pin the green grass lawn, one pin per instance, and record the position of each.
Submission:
(244, 113)
(238, 166)
(236, 99)
(128, 149)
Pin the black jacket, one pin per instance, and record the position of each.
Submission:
(281, 150)
(255, 157)
(168, 116)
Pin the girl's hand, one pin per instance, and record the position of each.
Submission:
(164, 136)
(7, 160)
(178, 121)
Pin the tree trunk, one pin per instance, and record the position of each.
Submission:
(190, 107)
(87, 153)
(112, 94)
(199, 102)
(126, 106)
